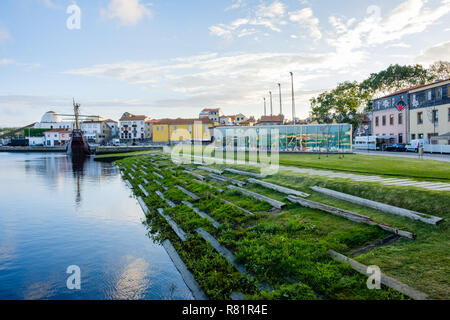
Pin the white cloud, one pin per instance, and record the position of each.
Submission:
(438, 52)
(9, 62)
(410, 17)
(270, 17)
(236, 4)
(229, 80)
(4, 62)
(305, 17)
(399, 45)
(4, 35)
(49, 4)
(129, 12)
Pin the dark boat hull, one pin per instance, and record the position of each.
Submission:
(78, 146)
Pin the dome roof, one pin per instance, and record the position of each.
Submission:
(51, 116)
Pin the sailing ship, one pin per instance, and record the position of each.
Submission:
(77, 147)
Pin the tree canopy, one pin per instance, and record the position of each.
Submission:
(351, 99)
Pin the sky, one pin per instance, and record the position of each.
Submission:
(172, 58)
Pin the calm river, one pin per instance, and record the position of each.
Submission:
(55, 214)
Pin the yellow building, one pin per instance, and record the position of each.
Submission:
(170, 131)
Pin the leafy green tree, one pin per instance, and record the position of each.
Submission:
(394, 78)
(347, 99)
(440, 70)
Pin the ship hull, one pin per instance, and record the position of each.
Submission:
(78, 146)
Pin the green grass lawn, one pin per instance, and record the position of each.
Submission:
(396, 166)
(423, 263)
(366, 164)
(118, 156)
(289, 242)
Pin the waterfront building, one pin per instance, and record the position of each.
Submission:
(271, 120)
(390, 120)
(286, 138)
(211, 114)
(430, 112)
(36, 141)
(57, 137)
(52, 120)
(227, 120)
(250, 122)
(171, 131)
(419, 112)
(240, 118)
(114, 126)
(132, 127)
(98, 132)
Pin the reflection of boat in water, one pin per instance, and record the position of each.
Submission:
(77, 147)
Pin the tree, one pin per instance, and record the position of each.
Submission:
(395, 78)
(440, 70)
(347, 99)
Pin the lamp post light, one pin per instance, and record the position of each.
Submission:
(293, 99)
(271, 109)
(265, 114)
(281, 108)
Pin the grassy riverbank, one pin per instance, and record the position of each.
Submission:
(364, 164)
(110, 157)
(288, 248)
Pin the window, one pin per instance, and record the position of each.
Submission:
(413, 136)
(391, 119)
(435, 116)
(419, 117)
(439, 93)
(383, 121)
(449, 114)
(400, 138)
(400, 118)
(377, 120)
(420, 136)
(429, 95)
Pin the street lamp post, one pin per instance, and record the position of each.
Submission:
(281, 108)
(293, 99)
(265, 114)
(271, 109)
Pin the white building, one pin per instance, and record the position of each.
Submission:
(57, 137)
(36, 141)
(132, 127)
(211, 114)
(227, 120)
(52, 120)
(96, 131)
(240, 118)
(114, 125)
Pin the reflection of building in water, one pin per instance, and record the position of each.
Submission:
(298, 138)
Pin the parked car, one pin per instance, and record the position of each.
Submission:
(414, 145)
(398, 147)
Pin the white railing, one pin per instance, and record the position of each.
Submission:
(437, 148)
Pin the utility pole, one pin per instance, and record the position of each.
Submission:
(265, 114)
(281, 108)
(271, 106)
(293, 99)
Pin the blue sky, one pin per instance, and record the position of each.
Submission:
(172, 58)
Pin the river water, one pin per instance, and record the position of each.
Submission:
(55, 213)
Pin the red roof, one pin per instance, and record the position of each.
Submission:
(133, 117)
(277, 118)
(183, 121)
(59, 130)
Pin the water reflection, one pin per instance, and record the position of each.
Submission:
(57, 211)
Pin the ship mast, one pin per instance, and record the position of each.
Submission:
(76, 109)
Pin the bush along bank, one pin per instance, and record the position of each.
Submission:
(286, 249)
